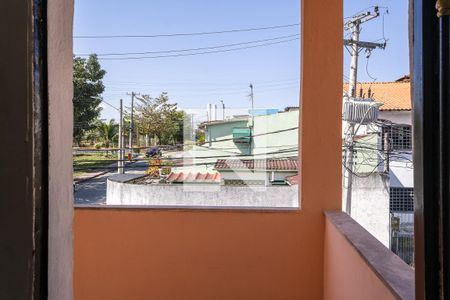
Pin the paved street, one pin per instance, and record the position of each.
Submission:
(93, 191)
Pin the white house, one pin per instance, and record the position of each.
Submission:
(382, 193)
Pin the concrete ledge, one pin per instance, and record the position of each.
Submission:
(393, 272)
(208, 196)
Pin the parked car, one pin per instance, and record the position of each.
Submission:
(153, 152)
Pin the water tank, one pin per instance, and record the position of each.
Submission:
(360, 111)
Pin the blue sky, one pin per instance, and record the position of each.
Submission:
(194, 81)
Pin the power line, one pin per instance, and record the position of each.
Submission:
(230, 139)
(242, 156)
(178, 93)
(191, 82)
(191, 49)
(165, 165)
(183, 34)
(198, 53)
(110, 105)
(117, 88)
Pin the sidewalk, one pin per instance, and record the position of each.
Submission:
(91, 175)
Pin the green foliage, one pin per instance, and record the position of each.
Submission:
(85, 163)
(154, 165)
(108, 132)
(157, 117)
(199, 137)
(87, 88)
(166, 171)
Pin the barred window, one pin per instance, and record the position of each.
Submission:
(399, 136)
(401, 199)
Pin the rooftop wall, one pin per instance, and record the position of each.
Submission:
(202, 195)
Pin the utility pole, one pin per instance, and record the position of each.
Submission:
(252, 99)
(253, 104)
(223, 109)
(130, 143)
(354, 24)
(386, 149)
(120, 164)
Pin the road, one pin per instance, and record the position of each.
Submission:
(93, 191)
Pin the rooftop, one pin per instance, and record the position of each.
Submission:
(257, 164)
(293, 180)
(395, 95)
(193, 177)
(229, 120)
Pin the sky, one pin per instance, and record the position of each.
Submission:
(273, 66)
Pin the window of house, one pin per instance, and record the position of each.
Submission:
(399, 136)
(401, 199)
(187, 111)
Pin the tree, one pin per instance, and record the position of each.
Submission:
(107, 132)
(87, 88)
(157, 117)
(175, 133)
(200, 137)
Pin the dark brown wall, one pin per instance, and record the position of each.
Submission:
(16, 167)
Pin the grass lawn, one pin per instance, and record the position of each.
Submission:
(86, 163)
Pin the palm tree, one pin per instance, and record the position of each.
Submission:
(107, 131)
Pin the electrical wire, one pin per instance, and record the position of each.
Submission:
(192, 49)
(110, 105)
(367, 69)
(185, 33)
(190, 83)
(235, 154)
(199, 53)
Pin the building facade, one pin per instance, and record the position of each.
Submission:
(383, 165)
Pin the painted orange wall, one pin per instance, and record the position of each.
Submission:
(194, 254)
(347, 275)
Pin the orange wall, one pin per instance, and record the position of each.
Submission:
(347, 275)
(194, 254)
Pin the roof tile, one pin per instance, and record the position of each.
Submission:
(257, 164)
(192, 177)
(396, 96)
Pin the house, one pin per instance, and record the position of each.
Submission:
(262, 172)
(270, 133)
(382, 194)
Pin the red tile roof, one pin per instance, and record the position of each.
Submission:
(292, 180)
(395, 96)
(257, 164)
(194, 177)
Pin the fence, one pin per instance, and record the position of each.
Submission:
(402, 235)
